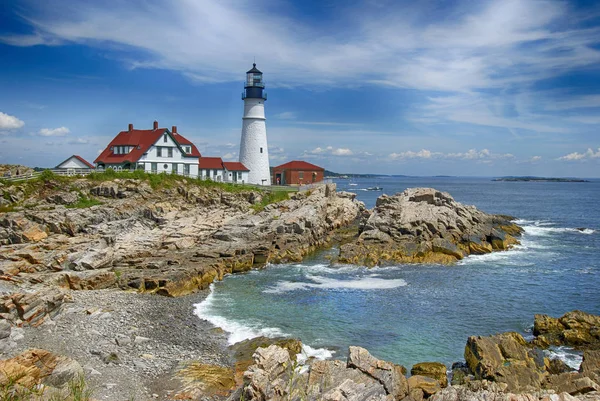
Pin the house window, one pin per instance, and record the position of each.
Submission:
(166, 166)
(239, 175)
(214, 173)
(165, 138)
(188, 149)
(174, 168)
(301, 175)
(154, 167)
(169, 152)
(186, 169)
(260, 150)
(158, 151)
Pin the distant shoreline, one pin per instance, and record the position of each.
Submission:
(539, 179)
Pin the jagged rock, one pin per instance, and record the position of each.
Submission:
(557, 366)
(424, 385)
(5, 329)
(573, 383)
(268, 377)
(460, 373)
(33, 308)
(590, 366)
(91, 280)
(106, 189)
(63, 198)
(574, 328)
(426, 225)
(352, 391)
(388, 374)
(505, 358)
(37, 366)
(325, 376)
(243, 351)
(435, 370)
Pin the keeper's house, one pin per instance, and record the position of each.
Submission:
(156, 150)
(297, 172)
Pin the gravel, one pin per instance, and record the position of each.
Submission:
(130, 345)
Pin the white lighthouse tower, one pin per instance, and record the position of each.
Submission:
(254, 153)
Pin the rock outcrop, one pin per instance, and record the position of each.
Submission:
(171, 241)
(426, 225)
(575, 329)
(273, 376)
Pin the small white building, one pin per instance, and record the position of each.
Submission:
(236, 172)
(75, 162)
(211, 168)
(155, 151)
(216, 169)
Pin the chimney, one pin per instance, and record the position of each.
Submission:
(155, 125)
(130, 128)
(174, 130)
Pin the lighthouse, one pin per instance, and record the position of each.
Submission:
(254, 153)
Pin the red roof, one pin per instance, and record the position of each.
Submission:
(81, 159)
(210, 163)
(235, 166)
(141, 140)
(298, 165)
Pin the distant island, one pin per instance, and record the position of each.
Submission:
(540, 179)
(331, 174)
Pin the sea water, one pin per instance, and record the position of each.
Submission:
(425, 312)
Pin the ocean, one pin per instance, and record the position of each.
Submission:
(417, 313)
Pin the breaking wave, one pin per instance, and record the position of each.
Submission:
(366, 283)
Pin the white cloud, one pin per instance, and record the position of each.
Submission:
(471, 154)
(503, 42)
(77, 141)
(9, 122)
(422, 154)
(588, 154)
(535, 159)
(330, 150)
(229, 157)
(61, 131)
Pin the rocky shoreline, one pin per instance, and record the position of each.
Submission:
(84, 260)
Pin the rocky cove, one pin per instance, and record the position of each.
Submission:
(62, 267)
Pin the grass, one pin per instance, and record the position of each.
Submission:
(270, 197)
(7, 209)
(76, 390)
(84, 202)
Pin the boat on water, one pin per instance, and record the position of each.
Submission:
(375, 189)
(353, 184)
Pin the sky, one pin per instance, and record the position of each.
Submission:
(430, 87)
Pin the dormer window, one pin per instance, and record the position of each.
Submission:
(165, 138)
(188, 149)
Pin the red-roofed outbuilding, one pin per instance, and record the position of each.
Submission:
(297, 172)
(156, 150)
(218, 170)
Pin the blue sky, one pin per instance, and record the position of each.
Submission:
(376, 86)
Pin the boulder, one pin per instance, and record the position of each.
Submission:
(389, 375)
(573, 383)
(352, 391)
(422, 384)
(435, 370)
(38, 366)
(268, 377)
(91, 280)
(575, 328)
(505, 358)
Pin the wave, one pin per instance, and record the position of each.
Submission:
(237, 331)
(319, 282)
(316, 353)
(544, 228)
(569, 356)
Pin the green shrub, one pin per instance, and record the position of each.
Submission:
(271, 197)
(84, 202)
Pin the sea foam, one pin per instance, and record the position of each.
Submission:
(238, 331)
(319, 282)
(567, 355)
